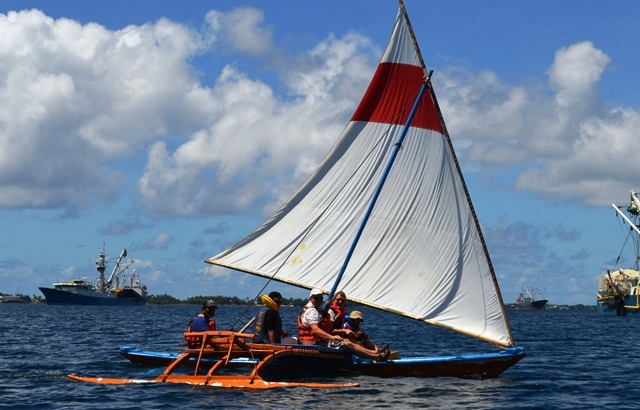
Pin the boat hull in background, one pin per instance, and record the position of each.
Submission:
(59, 297)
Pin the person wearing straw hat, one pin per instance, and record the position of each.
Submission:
(352, 322)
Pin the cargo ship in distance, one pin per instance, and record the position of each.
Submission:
(117, 289)
(531, 299)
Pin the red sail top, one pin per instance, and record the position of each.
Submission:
(391, 95)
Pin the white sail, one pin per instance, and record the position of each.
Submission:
(421, 254)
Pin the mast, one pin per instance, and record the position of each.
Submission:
(636, 204)
(115, 272)
(394, 153)
(376, 194)
(101, 264)
(633, 209)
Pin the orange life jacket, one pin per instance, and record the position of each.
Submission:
(306, 333)
(339, 319)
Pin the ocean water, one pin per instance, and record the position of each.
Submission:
(576, 359)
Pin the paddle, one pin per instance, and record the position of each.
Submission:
(247, 325)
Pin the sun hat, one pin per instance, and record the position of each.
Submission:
(315, 292)
(356, 315)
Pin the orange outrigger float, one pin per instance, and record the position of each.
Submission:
(224, 346)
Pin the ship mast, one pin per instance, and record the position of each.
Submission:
(101, 264)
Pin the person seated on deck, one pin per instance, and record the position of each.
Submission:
(202, 323)
(268, 328)
(314, 327)
(352, 322)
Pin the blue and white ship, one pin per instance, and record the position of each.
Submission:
(118, 289)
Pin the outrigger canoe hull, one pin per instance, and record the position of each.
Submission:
(485, 365)
(224, 355)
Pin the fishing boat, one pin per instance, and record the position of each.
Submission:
(530, 298)
(387, 218)
(119, 288)
(618, 288)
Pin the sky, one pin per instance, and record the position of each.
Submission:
(173, 129)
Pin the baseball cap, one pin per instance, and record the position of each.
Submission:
(315, 292)
(209, 304)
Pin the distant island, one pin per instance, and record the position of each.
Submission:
(166, 300)
(234, 300)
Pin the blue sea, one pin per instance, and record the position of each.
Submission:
(576, 359)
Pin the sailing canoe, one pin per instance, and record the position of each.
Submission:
(387, 218)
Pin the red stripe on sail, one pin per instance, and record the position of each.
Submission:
(391, 96)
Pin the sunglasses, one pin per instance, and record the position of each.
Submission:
(317, 297)
(277, 301)
(340, 300)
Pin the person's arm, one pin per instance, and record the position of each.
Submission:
(270, 321)
(343, 332)
(322, 334)
(272, 336)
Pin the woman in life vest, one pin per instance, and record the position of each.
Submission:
(338, 309)
(201, 323)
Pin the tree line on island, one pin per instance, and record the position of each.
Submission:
(234, 300)
(219, 299)
(193, 300)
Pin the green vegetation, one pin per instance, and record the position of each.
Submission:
(170, 300)
(219, 299)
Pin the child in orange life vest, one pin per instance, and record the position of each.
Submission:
(202, 323)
